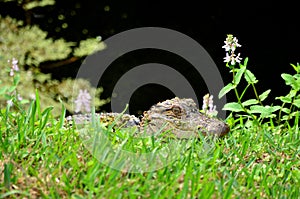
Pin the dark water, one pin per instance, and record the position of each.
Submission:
(266, 30)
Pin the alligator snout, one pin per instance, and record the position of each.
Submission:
(215, 128)
(225, 129)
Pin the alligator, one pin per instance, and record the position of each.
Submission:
(180, 116)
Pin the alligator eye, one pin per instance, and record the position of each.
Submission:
(177, 122)
(176, 110)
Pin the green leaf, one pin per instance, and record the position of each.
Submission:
(288, 78)
(265, 111)
(46, 114)
(291, 81)
(11, 89)
(16, 79)
(286, 117)
(284, 99)
(233, 106)
(34, 4)
(62, 115)
(274, 108)
(264, 95)
(7, 174)
(296, 68)
(37, 103)
(245, 62)
(3, 90)
(226, 89)
(24, 101)
(289, 116)
(42, 78)
(297, 103)
(250, 102)
(89, 46)
(285, 110)
(257, 109)
(297, 77)
(250, 77)
(292, 94)
(238, 75)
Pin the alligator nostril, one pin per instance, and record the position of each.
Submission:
(225, 130)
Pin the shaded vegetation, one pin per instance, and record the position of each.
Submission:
(31, 47)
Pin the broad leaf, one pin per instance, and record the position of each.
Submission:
(291, 81)
(16, 80)
(286, 117)
(226, 89)
(250, 77)
(11, 89)
(284, 99)
(264, 95)
(265, 111)
(297, 103)
(233, 106)
(3, 90)
(250, 102)
(239, 74)
(285, 110)
(245, 62)
(296, 68)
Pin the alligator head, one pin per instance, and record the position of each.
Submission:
(182, 118)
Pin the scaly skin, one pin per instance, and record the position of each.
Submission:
(183, 118)
(179, 116)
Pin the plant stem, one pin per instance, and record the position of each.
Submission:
(256, 95)
(244, 91)
(279, 114)
(239, 98)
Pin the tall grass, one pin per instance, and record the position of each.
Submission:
(42, 156)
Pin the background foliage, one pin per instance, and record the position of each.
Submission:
(31, 46)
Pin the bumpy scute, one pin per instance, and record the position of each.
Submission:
(180, 117)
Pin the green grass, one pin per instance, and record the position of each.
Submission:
(39, 157)
(42, 156)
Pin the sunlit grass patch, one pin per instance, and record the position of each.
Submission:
(43, 156)
(53, 162)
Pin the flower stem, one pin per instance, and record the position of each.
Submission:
(239, 97)
(256, 95)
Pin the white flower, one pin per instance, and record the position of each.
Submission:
(235, 41)
(232, 58)
(227, 58)
(10, 102)
(208, 105)
(226, 46)
(231, 44)
(238, 58)
(32, 96)
(83, 101)
(11, 73)
(19, 97)
(14, 66)
(211, 103)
